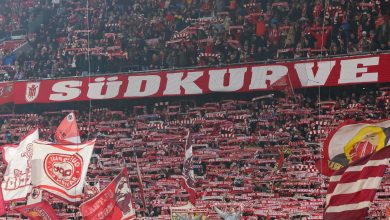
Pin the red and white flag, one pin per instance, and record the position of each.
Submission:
(352, 189)
(61, 169)
(91, 191)
(37, 211)
(17, 177)
(351, 141)
(68, 132)
(189, 176)
(114, 202)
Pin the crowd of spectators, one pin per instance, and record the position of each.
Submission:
(109, 36)
(237, 145)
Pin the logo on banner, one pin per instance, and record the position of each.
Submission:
(6, 90)
(63, 169)
(38, 213)
(32, 91)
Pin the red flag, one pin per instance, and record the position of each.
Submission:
(281, 159)
(352, 189)
(283, 84)
(38, 211)
(2, 205)
(114, 202)
(68, 132)
(141, 185)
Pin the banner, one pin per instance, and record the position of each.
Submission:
(17, 177)
(237, 78)
(37, 211)
(114, 202)
(352, 141)
(61, 169)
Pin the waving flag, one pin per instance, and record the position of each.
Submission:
(61, 169)
(17, 177)
(352, 189)
(68, 132)
(352, 141)
(114, 202)
(91, 191)
(37, 211)
(188, 171)
(34, 196)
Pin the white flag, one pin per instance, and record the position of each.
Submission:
(17, 177)
(61, 169)
(35, 196)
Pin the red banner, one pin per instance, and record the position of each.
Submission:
(114, 202)
(239, 78)
(38, 211)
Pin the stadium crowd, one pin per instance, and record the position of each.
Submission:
(237, 146)
(118, 36)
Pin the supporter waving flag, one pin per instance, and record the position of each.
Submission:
(68, 132)
(114, 202)
(352, 141)
(352, 188)
(37, 211)
(17, 177)
(61, 169)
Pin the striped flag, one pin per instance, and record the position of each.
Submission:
(352, 189)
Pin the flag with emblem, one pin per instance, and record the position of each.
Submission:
(91, 191)
(34, 196)
(37, 211)
(61, 169)
(17, 177)
(68, 132)
(114, 202)
(352, 141)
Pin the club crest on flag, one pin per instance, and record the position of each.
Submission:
(352, 141)
(32, 91)
(64, 169)
(35, 193)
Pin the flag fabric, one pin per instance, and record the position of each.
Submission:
(283, 84)
(141, 185)
(68, 132)
(352, 189)
(351, 141)
(37, 211)
(189, 177)
(34, 196)
(280, 160)
(2, 205)
(91, 191)
(61, 169)
(17, 177)
(114, 202)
